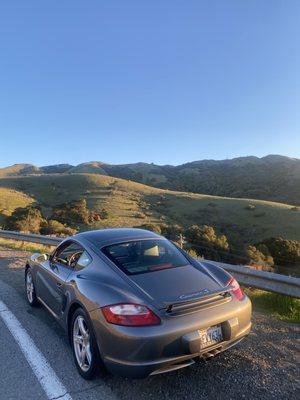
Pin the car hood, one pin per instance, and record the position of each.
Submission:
(174, 285)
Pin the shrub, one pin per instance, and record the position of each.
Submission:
(140, 215)
(205, 241)
(152, 228)
(192, 253)
(71, 213)
(250, 207)
(172, 232)
(53, 227)
(28, 219)
(104, 214)
(259, 256)
(94, 217)
(282, 250)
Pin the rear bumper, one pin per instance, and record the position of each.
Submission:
(143, 370)
(140, 352)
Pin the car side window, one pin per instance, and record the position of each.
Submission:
(68, 255)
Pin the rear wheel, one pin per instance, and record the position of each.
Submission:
(85, 350)
(30, 289)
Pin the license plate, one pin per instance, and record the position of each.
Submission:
(210, 336)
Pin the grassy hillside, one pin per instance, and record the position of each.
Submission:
(273, 178)
(93, 167)
(18, 169)
(11, 199)
(133, 204)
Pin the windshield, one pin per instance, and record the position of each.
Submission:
(144, 256)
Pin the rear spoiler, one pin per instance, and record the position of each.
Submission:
(224, 292)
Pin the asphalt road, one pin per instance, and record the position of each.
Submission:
(263, 366)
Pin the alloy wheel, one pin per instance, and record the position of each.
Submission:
(29, 287)
(81, 342)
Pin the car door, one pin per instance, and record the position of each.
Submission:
(52, 275)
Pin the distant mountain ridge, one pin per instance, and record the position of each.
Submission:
(273, 177)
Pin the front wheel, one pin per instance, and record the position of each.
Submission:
(30, 288)
(85, 351)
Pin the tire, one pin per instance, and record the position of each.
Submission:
(84, 345)
(30, 289)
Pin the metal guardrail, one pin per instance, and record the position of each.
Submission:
(247, 276)
(30, 237)
(269, 281)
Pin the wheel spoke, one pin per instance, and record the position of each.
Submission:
(82, 356)
(78, 339)
(82, 327)
(88, 354)
(29, 286)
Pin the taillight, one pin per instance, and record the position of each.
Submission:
(236, 290)
(130, 315)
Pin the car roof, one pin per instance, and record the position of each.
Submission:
(105, 237)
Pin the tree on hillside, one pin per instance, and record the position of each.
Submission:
(283, 251)
(172, 232)
(151, 227)
(192, 253)
(205, 241)
(104, 213)
(72, 213)
(53, 227)
(259, 256)
(28, 219)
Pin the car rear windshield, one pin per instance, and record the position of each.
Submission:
(144, 256)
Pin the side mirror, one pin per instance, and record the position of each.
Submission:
(38, 257)
(44, 257)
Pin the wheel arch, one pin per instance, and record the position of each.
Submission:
(73, 307)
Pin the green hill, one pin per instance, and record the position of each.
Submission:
(19, 169)
(133, 204)
(11, 199)
(93, 167)
(273, 178)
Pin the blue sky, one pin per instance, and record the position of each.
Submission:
(161, 81)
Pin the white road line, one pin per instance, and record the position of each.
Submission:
(40, 366)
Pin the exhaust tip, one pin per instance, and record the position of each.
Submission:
(210, 354)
